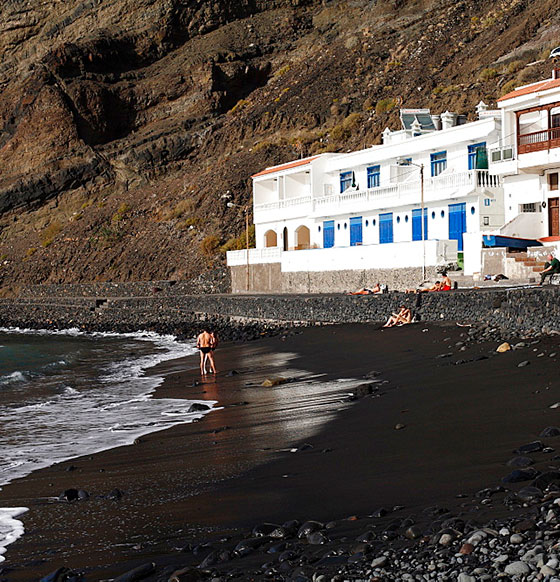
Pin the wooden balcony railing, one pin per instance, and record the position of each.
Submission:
(536, 141)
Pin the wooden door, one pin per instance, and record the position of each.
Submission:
(553, 219)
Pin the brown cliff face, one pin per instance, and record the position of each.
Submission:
(122, 122)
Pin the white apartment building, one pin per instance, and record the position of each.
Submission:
(335, 222)
(527, 160)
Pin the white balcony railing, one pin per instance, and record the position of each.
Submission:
(435, 188)
(256, 256)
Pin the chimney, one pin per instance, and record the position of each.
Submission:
(555, 73)
(436, 120)
(448, 119)
(481, 108)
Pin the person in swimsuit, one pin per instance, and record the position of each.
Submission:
(402, 317)
(205, 342)
(446, 282)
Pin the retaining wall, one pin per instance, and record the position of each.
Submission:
(519, 311)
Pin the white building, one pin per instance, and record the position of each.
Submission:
(528, 159)
(335, 222)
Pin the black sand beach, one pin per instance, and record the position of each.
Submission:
(445, 423)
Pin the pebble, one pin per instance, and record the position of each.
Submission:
(517, 568)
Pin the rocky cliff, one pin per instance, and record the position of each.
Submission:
(123, 122)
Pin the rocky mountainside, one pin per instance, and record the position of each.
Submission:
(123, 122)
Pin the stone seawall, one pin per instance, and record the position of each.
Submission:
(523, 311)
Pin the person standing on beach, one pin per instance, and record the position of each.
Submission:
(206, 342)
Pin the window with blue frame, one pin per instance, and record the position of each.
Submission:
(472, 153)
(373, 176)
(438, 162)
(345, 181)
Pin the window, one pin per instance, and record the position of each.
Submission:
(373, 177)
(486, 221)
(530, 207)
(345, 181)
(487, 201)
(438, 162)
(553, 181)
(555, 117)
(473, 165)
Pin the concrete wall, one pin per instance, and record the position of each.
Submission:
(268, 278)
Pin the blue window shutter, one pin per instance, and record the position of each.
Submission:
(386, 228)
(328, 234)
(457, 223)
(417, 224)
(355, 231)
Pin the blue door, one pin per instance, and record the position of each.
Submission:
(417, 224)
(355, 231)
(457, 223)
(386, 228)
(328, 234)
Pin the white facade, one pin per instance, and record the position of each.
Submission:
(528, 159)
(373, 198)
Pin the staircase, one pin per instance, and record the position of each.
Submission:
(524, 266)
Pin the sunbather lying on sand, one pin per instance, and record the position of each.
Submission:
(367, 290)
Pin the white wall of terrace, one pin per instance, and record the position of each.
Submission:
(394, 256)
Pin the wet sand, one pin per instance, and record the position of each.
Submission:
(234, 469)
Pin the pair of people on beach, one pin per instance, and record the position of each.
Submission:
(207, 342)
(403, 316)
(444, 285)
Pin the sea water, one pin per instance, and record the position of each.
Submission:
(67, 394)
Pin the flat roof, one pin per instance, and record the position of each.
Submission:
(287, 166)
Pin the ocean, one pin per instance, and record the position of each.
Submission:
(66, 394)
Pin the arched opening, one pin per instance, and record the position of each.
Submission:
(270, 239)
(303, 238)
(285, 238)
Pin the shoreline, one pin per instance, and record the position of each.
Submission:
(244, 487)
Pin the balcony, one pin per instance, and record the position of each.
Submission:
(536, 141)
(442, 187)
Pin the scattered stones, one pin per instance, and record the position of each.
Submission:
(505, 347)
(138, 573)
(523, 363)
(533, 447)
(520, 462)
(550, 431)
(400, 426)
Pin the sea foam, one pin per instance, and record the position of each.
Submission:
(112, 409)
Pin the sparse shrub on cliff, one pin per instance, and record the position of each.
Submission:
(241, 104)
(509, 86)
(488, 74)
(209, 245)
(384, 105)
(514, 66)
(182, 208)
(120, 214)
(49, 234)
(189, 223)
(30, 252)
(343, 130)
(282, 71)
(238, 243)
(444, 89)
